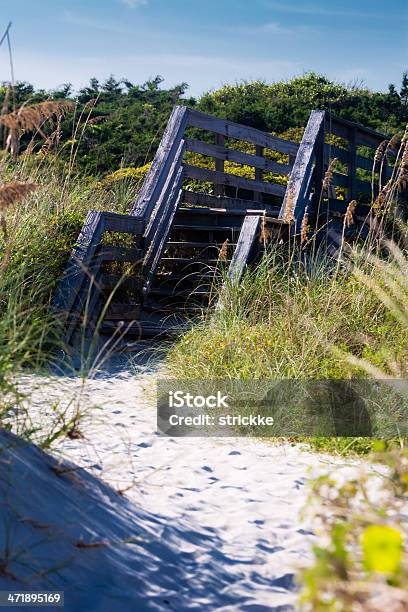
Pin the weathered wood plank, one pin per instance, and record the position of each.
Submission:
(123, 312)
(225, 154)
(362, 187)
(340, 206)
(355, 231)
(127, 224)
(112, 282)
(258, 173)
(204, 199)
(163, 160)
(79, 289)
(158, 243)
(343, 180)
(240, 132)
(80, 264)
(343, 156)
(340, 127)
(297, 193)
(331, 152)
(364, 162)
(366, 139)
(219, 163)
(224, 178)
(119, 253)
(340, 180)
(246, 242)
(176, 170)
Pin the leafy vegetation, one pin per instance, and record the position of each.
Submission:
(360, 561)
(119, 124)
(284, 321)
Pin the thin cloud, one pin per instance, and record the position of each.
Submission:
(83, 21)
(272, 27)
(277, 28)
(316, 10)
(134, 3)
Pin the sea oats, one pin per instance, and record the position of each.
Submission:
(11, 193)
(304, 228)
(28, 118)
(349, 216)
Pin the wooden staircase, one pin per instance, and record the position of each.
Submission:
(194, 224)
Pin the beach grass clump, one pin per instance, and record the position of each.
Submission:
(283, 323)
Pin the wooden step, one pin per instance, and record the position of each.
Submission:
(123, 312)
(143, 329)
(109, 282)
(194, 261)
(186, 292)
(115, 253)
(188, 309)
(238, 205)
(174, 277)
(205, 228)
(197, 245)
(209, 210)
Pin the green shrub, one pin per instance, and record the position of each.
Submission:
(361, 558)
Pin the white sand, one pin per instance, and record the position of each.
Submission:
(222, 515)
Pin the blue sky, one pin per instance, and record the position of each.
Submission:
(206, 42)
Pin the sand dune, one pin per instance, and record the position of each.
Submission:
(200, 524)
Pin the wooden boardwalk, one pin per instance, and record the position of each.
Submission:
(145, 273)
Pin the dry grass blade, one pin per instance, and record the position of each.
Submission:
(289, 209)
(393, 145)
(382, 198)
(53, 140)
(328, 177)
(224, 250)
(380, 151)
(11, 193)
(402, 178)
(304, 228)
(29, 118)
(266, 232)
(349, 216)
(98, 119)
(6, 101)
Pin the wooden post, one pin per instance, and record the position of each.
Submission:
(258, 197)
(163, 160)
(352, 167)
(219, 165)
(246, 242)
(300, 180)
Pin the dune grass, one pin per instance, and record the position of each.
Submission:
(38, 233)
(283, 322)
(304, 322)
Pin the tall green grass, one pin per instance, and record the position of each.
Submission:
(306, 322)
(283, 321)
(41, 232)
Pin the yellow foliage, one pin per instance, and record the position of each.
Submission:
(247, 172)
(382, 548)
(137, 174)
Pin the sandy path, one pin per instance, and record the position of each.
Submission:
(232, 504)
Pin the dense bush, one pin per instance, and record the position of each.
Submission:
(120, 124)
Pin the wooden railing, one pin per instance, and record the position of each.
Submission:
(80, 288)
(162, 192)
(349, 150)
(183, 118)
(274, 163)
